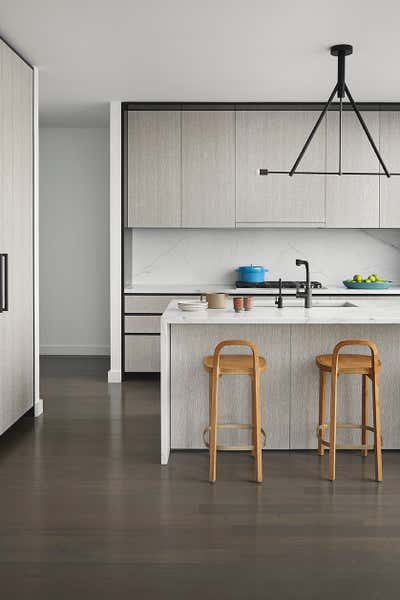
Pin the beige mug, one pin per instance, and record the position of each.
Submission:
(215, 300)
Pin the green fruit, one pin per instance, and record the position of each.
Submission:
(357, 278)
(372, 278)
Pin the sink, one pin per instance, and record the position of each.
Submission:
(299, 303)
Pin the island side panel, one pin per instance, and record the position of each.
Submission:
(189, 384)
(310, 340)
(165, 388)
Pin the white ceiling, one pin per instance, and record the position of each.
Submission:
(91, 51)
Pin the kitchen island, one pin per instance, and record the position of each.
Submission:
(290, 339)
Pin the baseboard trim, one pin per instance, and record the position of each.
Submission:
(52, 350)
(114, 376)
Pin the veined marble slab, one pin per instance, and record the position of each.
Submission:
(323, 312)
(183, 289)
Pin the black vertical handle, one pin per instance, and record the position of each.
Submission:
(3, 282)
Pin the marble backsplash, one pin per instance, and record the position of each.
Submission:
(188, 256)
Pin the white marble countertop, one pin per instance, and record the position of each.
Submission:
(364, 310)
(182, 289)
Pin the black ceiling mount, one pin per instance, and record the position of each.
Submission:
(341, 90)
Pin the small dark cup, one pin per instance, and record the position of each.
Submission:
(248, 302)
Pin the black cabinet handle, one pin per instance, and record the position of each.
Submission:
(3, 282)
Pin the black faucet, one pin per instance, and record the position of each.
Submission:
(279, 299)
(307, 294)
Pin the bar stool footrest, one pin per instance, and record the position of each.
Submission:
(324, 427)
(227, 447)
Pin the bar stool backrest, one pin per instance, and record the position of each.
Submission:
(221, 345)
(340, 345)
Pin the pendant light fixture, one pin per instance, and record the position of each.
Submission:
(341, 90)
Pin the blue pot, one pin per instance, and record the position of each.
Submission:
(252, 274)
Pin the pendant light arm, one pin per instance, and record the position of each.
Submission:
(310, 137)
(366, 131)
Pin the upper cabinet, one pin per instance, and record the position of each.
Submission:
(390, 188)
(208, 168)
(154, 168)
(273, 140)
(198, 166)
(352, 201)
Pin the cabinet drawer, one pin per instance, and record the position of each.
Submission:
(142, 324)
(149, 304)
(142, 353)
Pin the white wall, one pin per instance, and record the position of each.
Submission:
(210, 256)
(74, 241)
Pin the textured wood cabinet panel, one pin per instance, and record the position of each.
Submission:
(273, 139)
(154, 168)
(149, 304)
(142, 324)
(390, 188)
(189, 384)
(142, 353)
(310, 340)
(208, 168)
(16, 235)
(352, 201)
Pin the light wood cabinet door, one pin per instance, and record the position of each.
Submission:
(16, 236)
(390, 150)
(142, 353)
(273, 140)
(352, 201)
(208, 168)
(154, 168)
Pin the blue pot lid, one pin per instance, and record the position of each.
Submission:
(252, 268)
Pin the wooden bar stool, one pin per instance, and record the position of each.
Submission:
(234, 364)
(358, 364)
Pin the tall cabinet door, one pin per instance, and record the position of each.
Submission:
(352, 201)
(16, 236)
(208, 168)
(154, 168)
(390, 188)
(272, 140)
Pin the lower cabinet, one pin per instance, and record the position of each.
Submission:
(142, 353)
(142, 331)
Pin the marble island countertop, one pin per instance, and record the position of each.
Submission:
(183, 289)
(358, 311)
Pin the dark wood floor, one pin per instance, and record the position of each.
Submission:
(86, 511)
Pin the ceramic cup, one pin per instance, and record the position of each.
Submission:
(238, 303)
(215, 300)
(248, 302)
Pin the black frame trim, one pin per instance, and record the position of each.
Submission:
(234, 106)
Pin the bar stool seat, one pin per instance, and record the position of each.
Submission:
(216, 366)
(235, 364)
(357, 364)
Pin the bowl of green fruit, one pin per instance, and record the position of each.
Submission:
(372, 282)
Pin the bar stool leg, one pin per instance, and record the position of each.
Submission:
(332, 428)
(377, 428)
(322, 409)
(257, 426)
(364, 432)
(253, 416)
(209, 398)
(213, 426)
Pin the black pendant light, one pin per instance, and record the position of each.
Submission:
(341, 90)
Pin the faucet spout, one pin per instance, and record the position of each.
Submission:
(307, 294)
